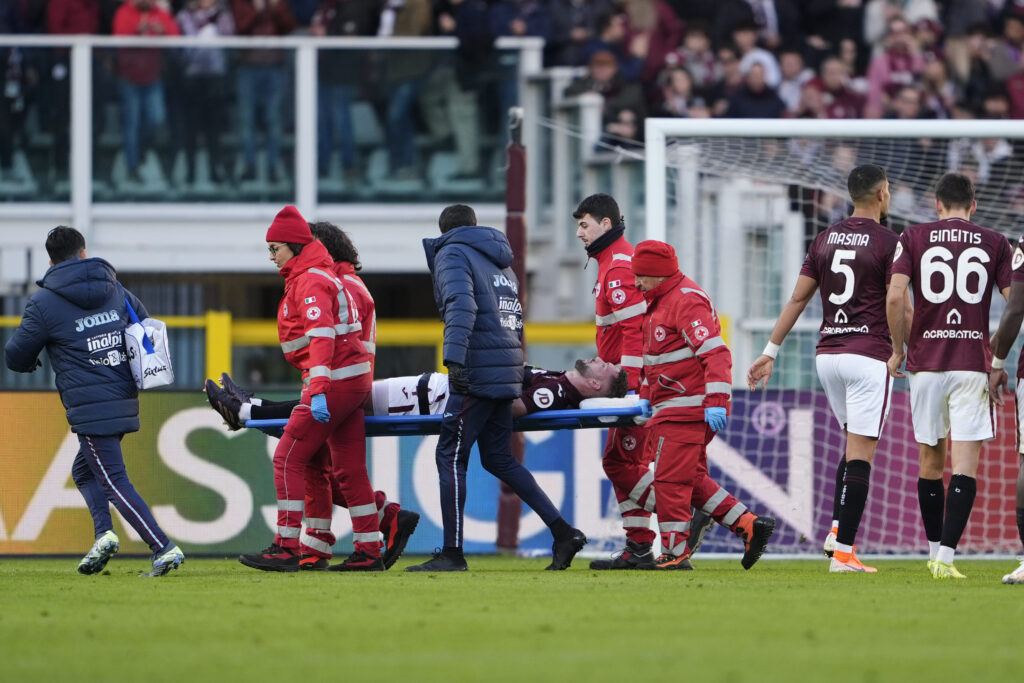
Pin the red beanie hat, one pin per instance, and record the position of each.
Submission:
(289, 226)
(655, 258)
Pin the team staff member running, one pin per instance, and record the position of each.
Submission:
(79, 317)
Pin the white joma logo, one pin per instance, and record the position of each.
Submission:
(96, 319)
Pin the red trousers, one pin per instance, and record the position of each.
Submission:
(312, 452)
(681, 481)
(627, 462)
(318, 539)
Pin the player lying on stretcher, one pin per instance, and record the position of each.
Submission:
(427, 394)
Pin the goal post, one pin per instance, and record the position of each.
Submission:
(740, 200)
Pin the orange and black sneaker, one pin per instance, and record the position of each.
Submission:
(397, 535)
(670, 561)
(755, 532)
(848, 562)
(313, 563)
(359, 562)
(274, 558)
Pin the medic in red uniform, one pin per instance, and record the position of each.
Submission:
(319, 328)
(619, 308)
(688, 373)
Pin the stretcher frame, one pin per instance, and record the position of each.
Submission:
(544, 420)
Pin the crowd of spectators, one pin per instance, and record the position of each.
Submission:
(687, 58)
(786, 58)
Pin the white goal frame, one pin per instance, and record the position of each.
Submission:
(704, 249)
(657, 131)
(682, 226)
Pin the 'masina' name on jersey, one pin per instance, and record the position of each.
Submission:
(953, 265)
(548, 390)
(850, 261)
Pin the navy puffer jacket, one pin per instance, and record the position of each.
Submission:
(478, 297)
(79, 317)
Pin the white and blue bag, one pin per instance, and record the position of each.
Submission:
(148, 354)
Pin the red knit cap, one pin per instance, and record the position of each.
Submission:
(655, 258)
(289, 226)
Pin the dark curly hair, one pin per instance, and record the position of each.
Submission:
(619, 385)
(339, 246)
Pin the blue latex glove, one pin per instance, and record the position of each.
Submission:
(716, 418)
(318, 405)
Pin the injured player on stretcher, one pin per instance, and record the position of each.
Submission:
(427, 394)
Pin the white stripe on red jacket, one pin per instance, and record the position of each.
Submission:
(318, 323)
(619, 308)
(687, 366)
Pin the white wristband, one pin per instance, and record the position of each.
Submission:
(771, 350)
(998, 363)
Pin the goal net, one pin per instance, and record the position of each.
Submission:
(741, 200)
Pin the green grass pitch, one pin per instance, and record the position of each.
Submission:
(508, 620)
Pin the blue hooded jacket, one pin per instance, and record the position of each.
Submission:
(478, 297)
(79, 317)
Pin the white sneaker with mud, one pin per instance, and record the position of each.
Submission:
(105, 547)
(1017, 575)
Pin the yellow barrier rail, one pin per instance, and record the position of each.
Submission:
(223, 333)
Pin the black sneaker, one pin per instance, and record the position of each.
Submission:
(699, 527)
(359, 562)
(564, 550)
(446, 560)
(668, 561)
(238, 392)
(633, 556)
(397, 536)
(225, 404)
(313, 563)
(756, 540)
(272, 559)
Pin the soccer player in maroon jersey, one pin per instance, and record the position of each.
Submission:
(426, 394)
(850, 263)
(952, 266)
(1001, 342)
(558, 390)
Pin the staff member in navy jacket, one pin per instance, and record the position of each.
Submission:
(478, 297)
(79, 317)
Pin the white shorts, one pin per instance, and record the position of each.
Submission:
(955, 402)
(400, 395)
(1020, 415)
(859, 390)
